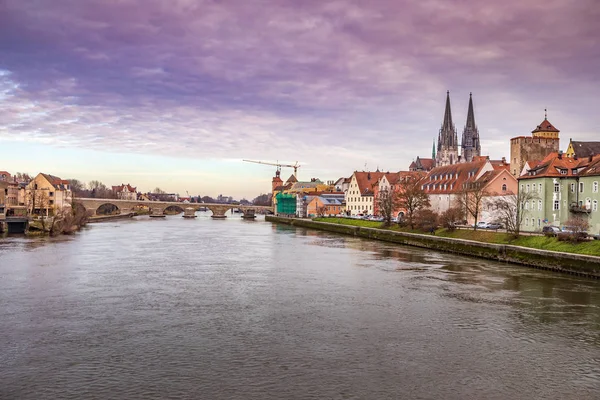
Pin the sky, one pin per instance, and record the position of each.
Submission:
(175, 94)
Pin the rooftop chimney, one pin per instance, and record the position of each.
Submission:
(560, 154)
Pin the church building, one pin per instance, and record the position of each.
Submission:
(447, 147)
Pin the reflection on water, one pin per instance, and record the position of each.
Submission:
(231, 309)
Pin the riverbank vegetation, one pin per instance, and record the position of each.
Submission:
(591, 247)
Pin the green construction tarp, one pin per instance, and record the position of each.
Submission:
(286, 203)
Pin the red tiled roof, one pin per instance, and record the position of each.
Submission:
(122, 187)
(545, 126)
(450, 178)
(554, 165)
(366, 181)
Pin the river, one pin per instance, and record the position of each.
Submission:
(232, 309)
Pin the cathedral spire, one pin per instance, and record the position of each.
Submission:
(471, 113)
(433, 150)
(448, 125)
(471, 146)
(447, 148)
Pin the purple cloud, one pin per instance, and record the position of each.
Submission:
(324, 82)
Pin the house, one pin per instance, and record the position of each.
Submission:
(341, 185)
(125, 192)
(578, 149)
(496, 184)
(392, 181)
(445, 184)
(303, 200)
(565, 187)
(5, 176)
(325, 205)
(359, 196)
(46, 194)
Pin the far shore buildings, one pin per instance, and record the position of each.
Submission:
(360, 194)
(125, 192)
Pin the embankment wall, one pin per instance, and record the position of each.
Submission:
(551, 260)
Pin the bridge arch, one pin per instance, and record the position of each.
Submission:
(107, 208)
(174, 208)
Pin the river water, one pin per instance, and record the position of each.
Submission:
(232, 309)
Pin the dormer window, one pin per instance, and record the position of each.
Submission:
(563, 172)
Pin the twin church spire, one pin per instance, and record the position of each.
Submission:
(447, 147)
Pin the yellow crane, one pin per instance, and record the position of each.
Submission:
(295, 166)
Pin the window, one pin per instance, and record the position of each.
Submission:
(563, 171)
(504, 187)
(595, 205)
(572, 188)
(539, 205)
(522, 187)
(595, 187)
(527, 188)
(556, 205)
(51, 194)
(580, 187)
(556, 188)
(540, 186)
(539, 222)
(527, 205)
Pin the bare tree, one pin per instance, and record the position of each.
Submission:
(412, 198)
(23, 177)
(577, 228)
(512, 209)
(470, 199)
(451, 217)
(387, 201)
(38, 204)
(77, 187)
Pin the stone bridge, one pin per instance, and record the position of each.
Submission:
(158, 207)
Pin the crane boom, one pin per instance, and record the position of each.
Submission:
(278, 165)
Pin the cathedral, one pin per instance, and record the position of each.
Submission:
(447, 147)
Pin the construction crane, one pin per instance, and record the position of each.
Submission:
(295, 166)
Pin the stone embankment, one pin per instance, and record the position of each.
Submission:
(578, 264)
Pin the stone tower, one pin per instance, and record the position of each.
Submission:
(447, 148)
(544, 140)
(470, 137)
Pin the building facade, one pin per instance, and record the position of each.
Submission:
(565, 187)
(125, 192)
(46, 194)
(359, 196)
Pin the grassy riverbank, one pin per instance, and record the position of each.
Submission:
(535, 242)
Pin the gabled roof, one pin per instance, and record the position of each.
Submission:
(122, 187)
(58, 183)
(593, 167)
(423, 164)
(449, 179)
(558, 165)
(366, 181)
(584, 149)
(545, 126)
(292, 179)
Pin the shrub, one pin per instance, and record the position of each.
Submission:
(426, 220)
